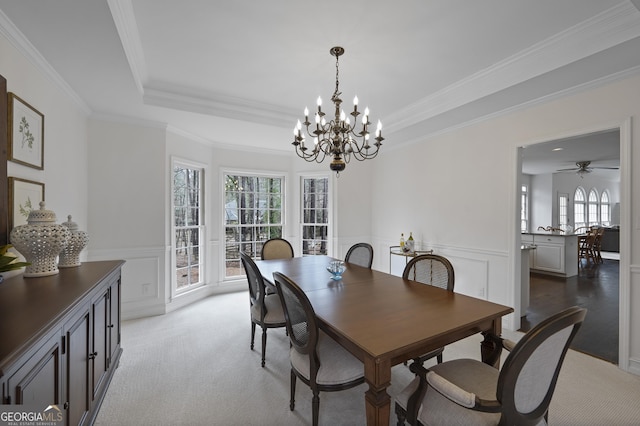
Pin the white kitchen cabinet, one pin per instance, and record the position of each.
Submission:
(554, 254)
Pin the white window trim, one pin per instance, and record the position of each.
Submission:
(608, 204)
(590, 205)
(331, 243)
(585, 212)
(527, 211)
(174, 293)
(333, 197)
(565, 196)
(248, 172)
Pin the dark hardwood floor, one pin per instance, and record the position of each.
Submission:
(596, 287)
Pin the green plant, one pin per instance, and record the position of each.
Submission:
(27, 136)
(8, 260)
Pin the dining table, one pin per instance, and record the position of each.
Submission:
(385, 320)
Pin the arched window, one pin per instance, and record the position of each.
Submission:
(593, 208)
(579, 208)
(605, 209)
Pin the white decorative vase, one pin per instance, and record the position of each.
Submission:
(70, 254)
(40, 242)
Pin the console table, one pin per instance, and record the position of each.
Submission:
(60, 339)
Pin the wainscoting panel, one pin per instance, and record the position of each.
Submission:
(633, 345)
(479, 273)
(144, 288)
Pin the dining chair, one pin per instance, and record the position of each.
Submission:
(266, 309)
(597, 245)
(360, 254)
(587, 247)
(276, 248)
(435, 270)
(470, 392)
(316, 359)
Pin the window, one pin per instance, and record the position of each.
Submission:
(563, 211)
(605, 209)
(579, 208)
(253, 213)
(593, 208)
(188, 229)
(315, 215)
(524, 209)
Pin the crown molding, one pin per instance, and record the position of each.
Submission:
(594, 84)
(168, 128)
(607, 29)
(24, 46)
(221, 106)
(127, 27)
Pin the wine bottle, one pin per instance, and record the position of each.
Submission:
(410, 242)
(402, 242)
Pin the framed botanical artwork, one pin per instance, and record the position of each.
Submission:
(24, 196)
(26, 133)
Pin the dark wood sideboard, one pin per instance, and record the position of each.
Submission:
(60, 338)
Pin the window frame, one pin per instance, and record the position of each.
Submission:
(593, 208)
(329, 208)
(202, 229)
(563, 210)
(223, 221)
(580, 206)
(605, 206)
(524, 209)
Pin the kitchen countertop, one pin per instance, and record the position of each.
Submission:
(555, 234)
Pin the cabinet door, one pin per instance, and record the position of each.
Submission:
(78, 346)
(37, 381)
(98, 358)
(549, 257)
(114, 320)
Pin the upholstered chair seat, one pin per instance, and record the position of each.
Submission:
(337, 365)
(473, 376)
(274, 314)
(468, 392)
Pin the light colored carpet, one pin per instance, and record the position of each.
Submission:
(194, 367)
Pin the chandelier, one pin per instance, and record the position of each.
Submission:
(337, 138)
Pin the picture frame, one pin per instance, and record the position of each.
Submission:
(26, 133)
(24, 196)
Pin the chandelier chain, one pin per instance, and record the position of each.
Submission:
(337, 75)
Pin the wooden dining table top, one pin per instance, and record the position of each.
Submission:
(385, 320)
(379, 314)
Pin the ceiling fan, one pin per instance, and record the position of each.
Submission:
(583, 168)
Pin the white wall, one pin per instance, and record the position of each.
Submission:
(464, 196)
(542, 202)
(65, 173)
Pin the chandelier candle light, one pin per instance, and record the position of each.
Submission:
(337, 138)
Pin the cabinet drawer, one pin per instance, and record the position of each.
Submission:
(527, 238)
(549, 239)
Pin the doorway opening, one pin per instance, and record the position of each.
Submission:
(551, 170)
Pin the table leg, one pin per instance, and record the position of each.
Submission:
(490, 349)
(377, 374)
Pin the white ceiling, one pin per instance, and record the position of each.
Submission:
(238, 72)
(602, 149)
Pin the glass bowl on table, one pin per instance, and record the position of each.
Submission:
(336, 268)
